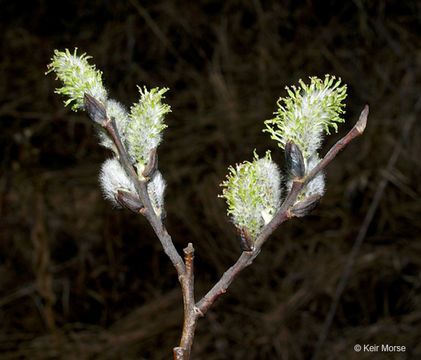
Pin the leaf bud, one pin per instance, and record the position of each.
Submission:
(245, 239)
(294, 159)
(152, 164)
(129, 200)
(95, 109)
(306, 206)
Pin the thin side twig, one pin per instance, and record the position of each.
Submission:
(246, 258)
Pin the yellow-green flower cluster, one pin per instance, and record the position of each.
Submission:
(78, 77)
(140, 131)
(252, 191)
(307, 112)
(146, 125)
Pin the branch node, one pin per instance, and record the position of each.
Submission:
(152, 164)
(198, 312)
(289, 214)
(106, 123)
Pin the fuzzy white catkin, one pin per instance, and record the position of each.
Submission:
(317, 185)
(311, 118)
(78, 78)
(118, 112)
(113, 178)
(272, 177)
(144, 131)
(156, 189)
(309, 111)
(253, 193)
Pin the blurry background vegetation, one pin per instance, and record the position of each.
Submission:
(81, 280)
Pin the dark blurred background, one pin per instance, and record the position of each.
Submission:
(81, 280)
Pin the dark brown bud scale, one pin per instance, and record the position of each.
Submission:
(245, 239)
(306, 206)
(129, 201)
(95, 109)
(294, 159)
(152, 164)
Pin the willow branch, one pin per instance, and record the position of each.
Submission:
(192, 310)
(298, 184)
(283, 214)
(96, 111)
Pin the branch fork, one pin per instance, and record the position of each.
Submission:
(185, 268)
